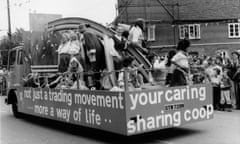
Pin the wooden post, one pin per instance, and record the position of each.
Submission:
(125, 79)
(78, 75)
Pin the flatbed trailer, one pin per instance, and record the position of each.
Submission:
(125, 113)
(121, 112)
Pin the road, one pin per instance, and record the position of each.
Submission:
(223, 129)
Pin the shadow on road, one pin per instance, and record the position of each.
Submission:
(160, 136)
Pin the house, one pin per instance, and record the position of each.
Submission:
(210, 25)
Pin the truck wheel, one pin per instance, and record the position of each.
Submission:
(12, 99)
(15, 111)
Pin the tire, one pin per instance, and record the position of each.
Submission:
(12, 99)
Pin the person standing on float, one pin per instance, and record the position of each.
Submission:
(180, 61)
(136, 36)
(94, 56)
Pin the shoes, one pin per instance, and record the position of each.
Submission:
(221, 109)
(228, 109)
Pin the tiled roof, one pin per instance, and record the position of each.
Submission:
(183, 9)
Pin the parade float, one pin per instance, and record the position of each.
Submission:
(41, 84)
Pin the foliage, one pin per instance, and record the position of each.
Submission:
(6, 45)
(17, 38)
(39, 47)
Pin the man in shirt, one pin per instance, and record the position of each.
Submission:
(136, 36)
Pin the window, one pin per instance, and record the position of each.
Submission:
(20, 57)
(234, 30)
(12, 57)
(151, 32)
(191, 31)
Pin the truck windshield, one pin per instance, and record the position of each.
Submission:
(12, 57)
(20, 57)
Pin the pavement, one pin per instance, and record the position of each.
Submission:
(224, 128)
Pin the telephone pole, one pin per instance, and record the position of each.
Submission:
(9, 22)
(9, 33)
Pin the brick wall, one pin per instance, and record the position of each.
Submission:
(211, 49)
(147, 9)
(213, 34)
(181, 9)
(209, 9)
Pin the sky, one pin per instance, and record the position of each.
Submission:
(102, 11)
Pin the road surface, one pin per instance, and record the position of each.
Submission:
(223, 129)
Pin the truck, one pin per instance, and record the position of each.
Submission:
(121, 111)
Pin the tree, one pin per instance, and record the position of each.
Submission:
(6, 45)
(39, 47)
(17, 39)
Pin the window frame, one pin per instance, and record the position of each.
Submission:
(151, 32)
(195, 29)
(234, 30)
(12, 57)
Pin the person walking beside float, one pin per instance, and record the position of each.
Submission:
(235, 77)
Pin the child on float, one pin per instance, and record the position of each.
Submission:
(75, 70)
(163, 70)
(134, 79)
(169, 67)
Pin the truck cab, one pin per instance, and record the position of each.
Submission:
(16, 67)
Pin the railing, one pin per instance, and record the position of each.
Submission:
(126, 79)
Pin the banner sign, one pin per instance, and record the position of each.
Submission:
(126, 113)
(151, 110)
(96, 109)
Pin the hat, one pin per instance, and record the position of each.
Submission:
(139, 20)
(237, 53)
(82, 28)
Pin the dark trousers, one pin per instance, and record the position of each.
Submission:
(64, 62)
(168, 78)
(178, 78)
(216, 97)
(237, 93)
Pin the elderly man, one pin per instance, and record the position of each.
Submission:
(95, 55)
